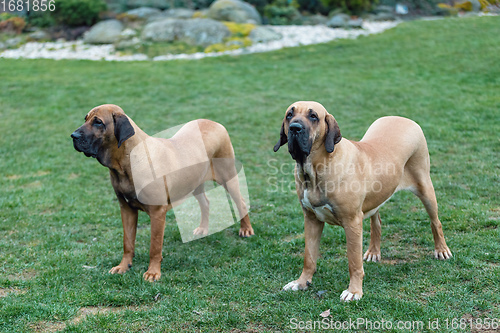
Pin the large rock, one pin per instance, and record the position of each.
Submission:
(164, 30)
(234, 11)
(176, 13)
(39, 35)
(144, 12)
(182, 13)
(338, 21)
(264, 35)
(104, 32)
(315, 20)
(202, 32)
(355, 23)
(12, 42)
(126, 43)
(384, 17)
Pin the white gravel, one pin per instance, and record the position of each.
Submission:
(292, 36)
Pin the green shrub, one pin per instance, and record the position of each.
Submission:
(350, 6)
(282, 12)
(78, 12)
(41, 19)
(312, 6)
(259, 4)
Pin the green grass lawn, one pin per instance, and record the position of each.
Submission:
(59, 215)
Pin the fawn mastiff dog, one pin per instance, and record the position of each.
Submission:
(200, 151)
(341, 182)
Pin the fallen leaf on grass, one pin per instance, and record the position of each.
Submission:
(325, 314)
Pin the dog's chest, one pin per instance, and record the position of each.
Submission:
(323, 210)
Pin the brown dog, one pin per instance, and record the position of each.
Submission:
(341, 182)
(200, 151)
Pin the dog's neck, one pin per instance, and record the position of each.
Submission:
(118, 160)
(320, 165)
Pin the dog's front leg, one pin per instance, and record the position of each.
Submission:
(157, 215)
(129, 221)
(354, 237)
(312, 234)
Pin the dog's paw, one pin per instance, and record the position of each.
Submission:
(120, 269)
(442, 254)
(200, 231)
(246, 232)
(371, 256)
(347, 296)
(152, 275)
(294, 285)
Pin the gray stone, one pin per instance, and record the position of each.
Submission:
(384, 9)
(182, 13)
(2, 46)
(476, 5)
(164, 30)
(235, 11)
(128, 33)
(123, 44)
(355, 24)
(39, 35)
(264, 35)
(13, 42)
(203, 32)
(104, 32)
(338, 21)
(315, 19)
(144, 12)
(384, 17)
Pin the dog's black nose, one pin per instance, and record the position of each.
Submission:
(296, 128)
(75, 135)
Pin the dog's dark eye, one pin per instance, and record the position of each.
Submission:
(289, 115)
(313, 116)
(98, 122)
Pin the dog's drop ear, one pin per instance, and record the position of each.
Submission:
(283, 138)
(333, 135)
(123, 128)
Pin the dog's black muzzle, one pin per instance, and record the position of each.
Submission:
(81, 144)
(299, 145)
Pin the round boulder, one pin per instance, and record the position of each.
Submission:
(182, 13)
(164, 30)
(203, 32)
(338, 21)
(235, 11)
(144, 12)
(264, 35)
(104, 32)
(39, 35)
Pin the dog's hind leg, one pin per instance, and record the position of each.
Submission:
(424, 190)
(373, 253)
(200, 195)
(224, 173)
